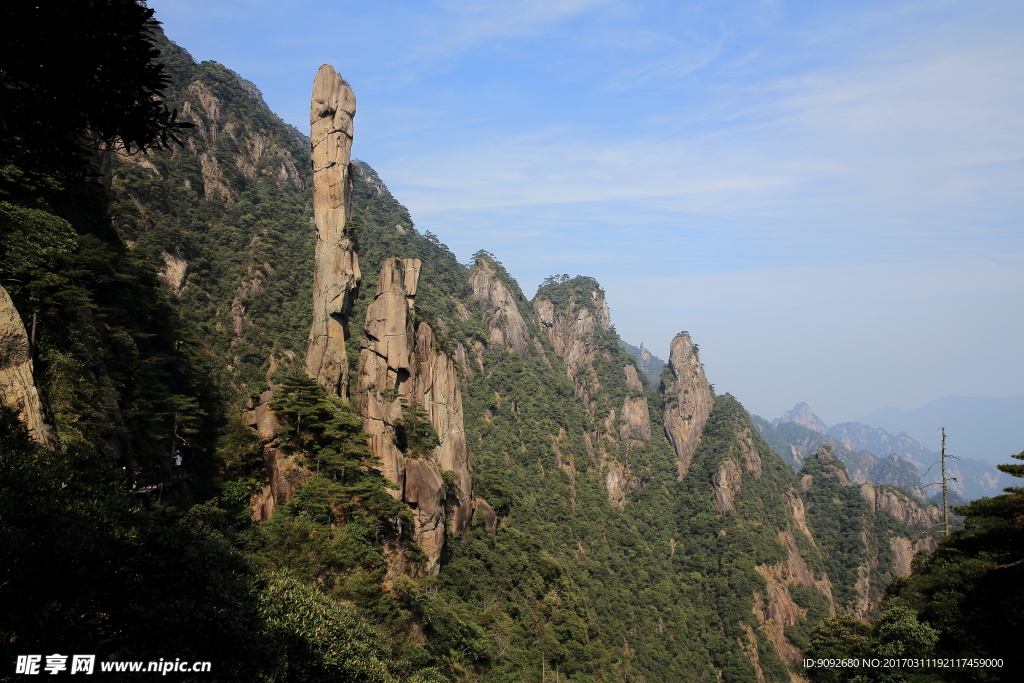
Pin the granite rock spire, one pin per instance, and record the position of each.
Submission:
(336, 272)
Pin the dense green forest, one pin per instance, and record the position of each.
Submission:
(167, 294)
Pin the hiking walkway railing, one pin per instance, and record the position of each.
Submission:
(154, 481)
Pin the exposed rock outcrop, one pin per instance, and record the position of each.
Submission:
(336, 272)
(726, 483)
(505, 325)
(17, 386)
(571, 330)
(490, 517)
(780, 610)
(251, 285)
(777, 610)
(900, 505)
(688, 400)
(751, 457)
(825, 454)
(749, 648)
(400, 367)
(797, 512)
(636, 414)
(283, 475)
(903, 551)
(173, 272)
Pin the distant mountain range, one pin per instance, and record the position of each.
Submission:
(873, 454)
(978, 427)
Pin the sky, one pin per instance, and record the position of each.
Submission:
(829, 196)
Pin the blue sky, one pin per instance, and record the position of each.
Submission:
(828, 195)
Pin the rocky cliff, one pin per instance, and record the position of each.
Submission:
(224, 219)
(571, 325)
(608, 547)
(688, 400)
(336, 271)
(505, 325)
(17, 384)
(401, 370)
(974, 478)
(575, 320)
(890, 523)
(795, 442)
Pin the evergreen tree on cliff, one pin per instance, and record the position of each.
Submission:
(76, 69)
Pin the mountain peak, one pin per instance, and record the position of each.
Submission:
(801, 414)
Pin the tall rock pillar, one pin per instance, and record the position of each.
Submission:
(336, 272)
(688, 400)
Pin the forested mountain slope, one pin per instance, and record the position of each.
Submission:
(527, 501)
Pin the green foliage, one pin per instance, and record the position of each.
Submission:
(561, 289)
(900, 634)
(444, 298)
(604, 566)
(1013, 470)
(652, 366)
(328, 434)
(970, 589)
(840, 637)
(110, 91)
(84, 570)
(817, 607)
(415, 435)
(122, 372)
(32, 239)
(239, 235)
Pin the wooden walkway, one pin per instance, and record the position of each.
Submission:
(154, 481)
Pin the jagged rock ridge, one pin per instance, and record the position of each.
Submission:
(400, 369)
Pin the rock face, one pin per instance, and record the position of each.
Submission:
(174, 271)
(825, 454)
(571, 331)
(401, 367)
(284, 475)
(688, 399)
(780, 610)
(17, 386)
(636, 414)
(726, 483)
(900, 505)
(336, 273)
(575, 327)
(903, 551)
(505, 325)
